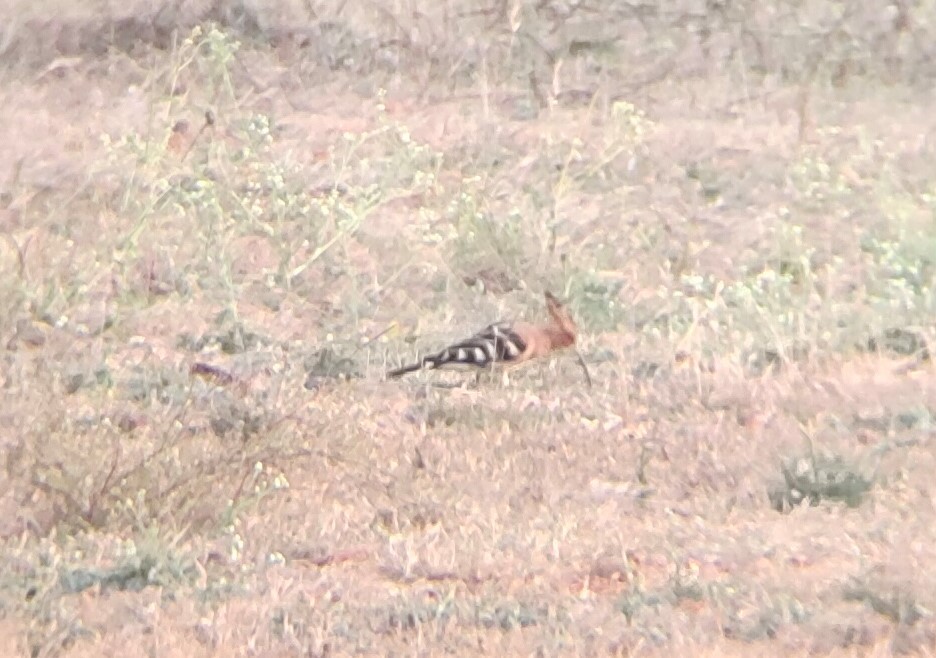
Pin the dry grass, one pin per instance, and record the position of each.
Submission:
(201, 456)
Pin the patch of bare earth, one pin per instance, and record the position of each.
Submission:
(213, 245)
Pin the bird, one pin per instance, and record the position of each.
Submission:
(506, 344)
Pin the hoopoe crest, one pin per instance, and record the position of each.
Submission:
(506, 344)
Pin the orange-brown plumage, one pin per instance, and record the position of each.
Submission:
(504, 343)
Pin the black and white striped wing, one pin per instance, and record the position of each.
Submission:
(496, 343)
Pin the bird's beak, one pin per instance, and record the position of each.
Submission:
(584, 367)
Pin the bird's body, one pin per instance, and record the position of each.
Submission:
(503, 343)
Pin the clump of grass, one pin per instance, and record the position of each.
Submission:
(900, 342)
(819, 185)
(513, 615)
(772, 611)
(597, 300)
(407, 616)
(331, 362)
(897, 604)
(491, 252)
(150, 447)
(902, 277)
(748, 613)
(151, 560)
(233, 337)
(53, 571)
(812, 478)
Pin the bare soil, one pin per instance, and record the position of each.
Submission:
(219, 226)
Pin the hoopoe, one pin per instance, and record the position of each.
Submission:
(507, 344)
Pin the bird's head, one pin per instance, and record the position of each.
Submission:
(560, 317)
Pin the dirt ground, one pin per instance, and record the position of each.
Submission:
(221, 224)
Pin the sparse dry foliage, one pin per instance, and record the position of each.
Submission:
(221, 222)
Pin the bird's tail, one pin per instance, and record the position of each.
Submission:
(405, 370)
